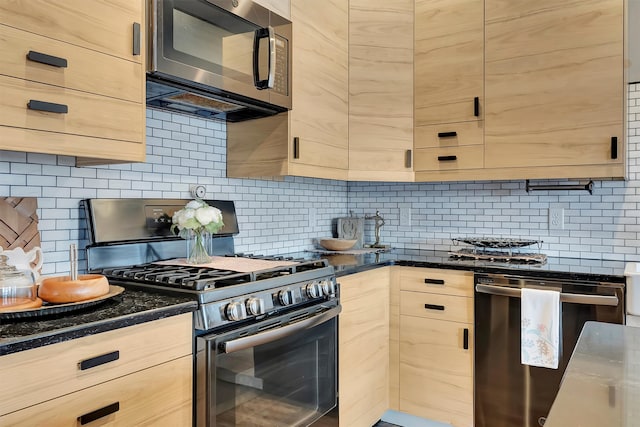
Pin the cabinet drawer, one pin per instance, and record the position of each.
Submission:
(449, 135)
(437, 281)
(88, 114)
(449, 158)
(85, 70)
(102, 25)
(158, 396)
(47, 372)
(436, 306)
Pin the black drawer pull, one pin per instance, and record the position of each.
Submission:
(99, 413)
(434, 307)
(136, 39)
(49, 107)
(434, 281)
(99, 360)
(465, 338)
(447, 134)
(296, 147)
(43, 58)
(408, 159)
(476, 106)
(614, 147)
(447, 158)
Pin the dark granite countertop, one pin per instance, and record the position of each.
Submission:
(129, 308)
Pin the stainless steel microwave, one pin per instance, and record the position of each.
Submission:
(227, 59)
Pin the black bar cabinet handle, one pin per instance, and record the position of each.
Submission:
(136, 38)
(447, 158)
(49, 107)
(99, 360)
(99, 413)
(447, 134)
(296, 147)
(43, 58)
(434, 281)
(476, 106)
(408, 161)
(465, 338)
(434, 307)
(614, 147)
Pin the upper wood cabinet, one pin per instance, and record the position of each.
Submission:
(311, 139)
(554, 88)
(380, 90)
(73, 78)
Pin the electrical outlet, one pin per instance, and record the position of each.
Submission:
(405, 217)
(556, 218)
(312, 218)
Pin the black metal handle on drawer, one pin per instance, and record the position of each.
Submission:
(49, 107)
(136, 39)
(447, 134)
(434, 307)
(408, 161)
(614, 147)
(434, 281)
(99, 360)
(476, 106)
(43, 58)
(99, 413)
(465, 338)
(296, 147)
(447, 158)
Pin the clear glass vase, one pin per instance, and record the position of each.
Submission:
(197, 245)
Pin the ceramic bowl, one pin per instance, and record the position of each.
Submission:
(337, 244)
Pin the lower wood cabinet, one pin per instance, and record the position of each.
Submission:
(363, 348)
(138, 375)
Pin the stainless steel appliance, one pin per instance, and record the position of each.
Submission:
(507, 393)
(265, 338)
(227, 59)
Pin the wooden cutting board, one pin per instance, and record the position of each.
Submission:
(19, 223)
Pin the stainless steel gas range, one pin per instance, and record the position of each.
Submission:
(266, 328)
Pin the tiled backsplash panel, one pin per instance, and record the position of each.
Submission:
(274, 215)
(182, 151)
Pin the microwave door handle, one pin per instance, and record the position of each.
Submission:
(564, 297)
(272, 57)
(278, 333)
(259, 34)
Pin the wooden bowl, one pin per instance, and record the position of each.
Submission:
(337, 244)
(64, 290)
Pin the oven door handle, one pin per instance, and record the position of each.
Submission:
(564, 297)
(278, 333)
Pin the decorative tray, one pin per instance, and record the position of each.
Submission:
(496, 243)
(49, 308)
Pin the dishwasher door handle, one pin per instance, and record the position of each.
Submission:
(569, 298)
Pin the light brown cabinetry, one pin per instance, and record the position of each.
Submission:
(448, 86)
(436, 345)
(312, 138)
(141, 372)
(381, 90)
(554, 88)
(363, 347)
(73, 78)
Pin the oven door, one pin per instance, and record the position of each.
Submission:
(278, 372)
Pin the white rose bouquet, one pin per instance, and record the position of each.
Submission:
(193, 221)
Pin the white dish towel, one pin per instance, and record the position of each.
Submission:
(540, 328)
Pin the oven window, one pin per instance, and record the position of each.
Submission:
(291, 381)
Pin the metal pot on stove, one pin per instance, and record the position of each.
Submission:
(17, 287)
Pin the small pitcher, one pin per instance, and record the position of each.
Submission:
(23, 261)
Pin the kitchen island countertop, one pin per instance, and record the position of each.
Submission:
(601, 386)
(129, 308)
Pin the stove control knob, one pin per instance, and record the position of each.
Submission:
(285, 297)
(254, 306)
(234, 311)
(327, 287)
(313, 290)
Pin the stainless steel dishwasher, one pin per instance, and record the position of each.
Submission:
(507, 393)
